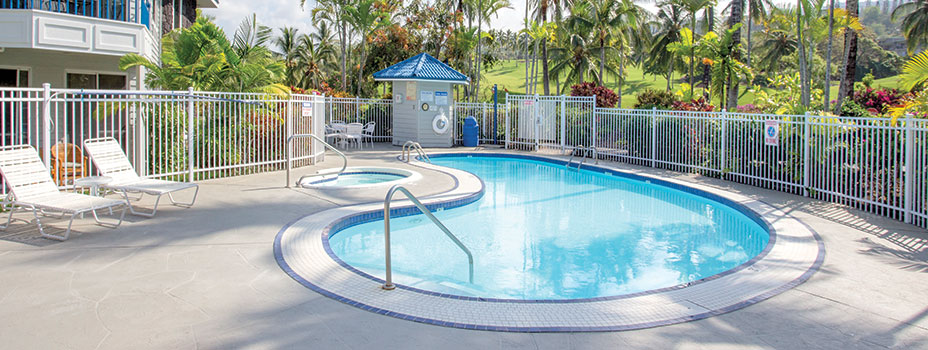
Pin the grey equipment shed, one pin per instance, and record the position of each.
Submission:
(423, 105)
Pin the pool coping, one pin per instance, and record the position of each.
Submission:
(470, 188)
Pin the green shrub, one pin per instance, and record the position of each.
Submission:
(651, 98)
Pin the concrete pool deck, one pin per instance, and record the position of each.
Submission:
(206, 277)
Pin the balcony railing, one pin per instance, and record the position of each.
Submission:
(133, 11)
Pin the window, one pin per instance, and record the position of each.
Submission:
(96, 81)
(14, 78)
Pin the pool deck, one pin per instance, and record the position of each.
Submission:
(206, 277)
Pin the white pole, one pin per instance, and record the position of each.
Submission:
(190, 121)
(909, 166)
(723, 157)
(47, 124)
(653, 137)
(806, 154)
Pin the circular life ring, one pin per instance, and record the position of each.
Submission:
(441, 124)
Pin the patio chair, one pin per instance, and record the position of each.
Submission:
(32, 188)
(68, 163)
(368, 133)
(107, 155)
(352, 134)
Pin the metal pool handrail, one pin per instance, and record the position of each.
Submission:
(388, 285)
(583, 158)
(409, 146)
(314, 137)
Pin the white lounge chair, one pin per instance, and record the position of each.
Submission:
(32, 188)
(107, 155)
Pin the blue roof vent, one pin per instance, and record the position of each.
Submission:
(422, 67)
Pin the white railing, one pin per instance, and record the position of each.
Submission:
(362, 110)
(185, 135)
(866, 163)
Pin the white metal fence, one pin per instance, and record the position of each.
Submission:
(867, 163)
(362, 110)
(179, 135)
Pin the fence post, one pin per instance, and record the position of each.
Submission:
(653, 137)
(190, 135)
(508, 116)
(593, 136)
(723, 157)
(535, 120)
(288, 131)
(47, 124)
(357, 109)
(806, 155)
(909, 167)
(563, 123)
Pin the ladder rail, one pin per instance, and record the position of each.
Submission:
(388, 284)
(325, 144)
(409, 146)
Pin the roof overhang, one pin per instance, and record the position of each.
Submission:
(459, 82)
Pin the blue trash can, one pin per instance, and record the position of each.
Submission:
(471, 132)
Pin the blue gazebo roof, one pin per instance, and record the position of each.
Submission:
(422, 67)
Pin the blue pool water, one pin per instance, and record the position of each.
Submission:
(542, 231)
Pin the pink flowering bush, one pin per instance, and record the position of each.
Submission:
(877, 101)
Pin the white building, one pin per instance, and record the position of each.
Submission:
(77, 43)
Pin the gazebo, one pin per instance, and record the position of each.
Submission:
(423, 105)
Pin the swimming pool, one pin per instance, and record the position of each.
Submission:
(543, 231)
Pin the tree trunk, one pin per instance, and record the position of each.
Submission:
(544, 49)
(477, 59)
(803, 69)
(736, 16)
(693, 52)
(602, 62)
(747, 60)
(831, 26)
(361, 68)
(669, 72)
(850, 59)
(344, 39)
(706, 73)
(619, 88)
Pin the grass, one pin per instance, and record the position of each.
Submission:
(510, 75)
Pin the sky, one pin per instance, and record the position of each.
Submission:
(279, 13)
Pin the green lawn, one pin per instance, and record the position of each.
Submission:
(511, 75)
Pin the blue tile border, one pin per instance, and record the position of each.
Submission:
(370, 216)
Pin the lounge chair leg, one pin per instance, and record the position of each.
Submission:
(140, 213)
(9, 219)
(110, 224)
(185, 205)
(67, 233)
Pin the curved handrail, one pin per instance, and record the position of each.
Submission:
(326, 144)
(585, 151)
(388, 284)
(409, 146)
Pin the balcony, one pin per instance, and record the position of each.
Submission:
(109, 27)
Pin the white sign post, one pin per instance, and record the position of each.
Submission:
(772, 133)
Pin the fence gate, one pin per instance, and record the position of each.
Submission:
(553, 123)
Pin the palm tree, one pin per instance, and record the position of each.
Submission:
(365, 17)
(203, 58)
(756, 12)
(670, 21)
(915, 71)
(577, 58)
(914, 22)
(826, 94)
(850, 58)
(287, 49)
(734, 22)
(313, 61)
(693, 7)
(333, 11)
(776, 45)
(722, 53)
(487, 9)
